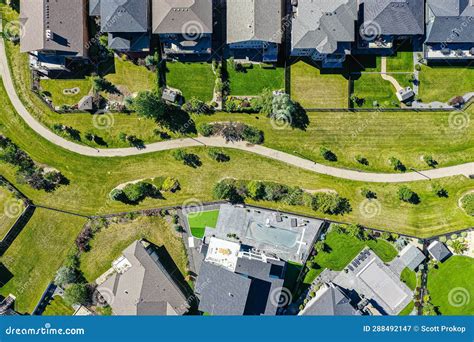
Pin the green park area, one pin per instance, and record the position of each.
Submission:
(199, 221)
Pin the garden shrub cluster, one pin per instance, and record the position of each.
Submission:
(134, 193)
(28, 171)
(238, 190)
(232, 132)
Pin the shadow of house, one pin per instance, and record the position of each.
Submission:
(5, 275)
(17, 227)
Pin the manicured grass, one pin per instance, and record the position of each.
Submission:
(56, 88)
(440, 83)
(451, 286)
(401, 62)
(255, 79)
(343, 248)
(315, 90)
(409, 278)
(109, 243)
(373, 88)
(198, 222)
(408, 309)
(377, 136)
(10, 210)
(131, 77)
(37, 253)
(311, 275)
(57, 307)
(193, 79)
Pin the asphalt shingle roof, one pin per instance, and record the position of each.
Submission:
(395, 17)
(438, 251)
(254, 20)
(452, 21)
(331, 302)
(124, 15)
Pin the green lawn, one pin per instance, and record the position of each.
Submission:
(37, 253)
(401, 62)
(440, 83)
(255, 79)
(311, 275)
(343, 248)
(199, 221)
(130, 77)
(315, 90)
(408, 309)
(373, 88)
(409, 278)
(10, 209)
(193, 79)
(451, 286)
(55, 88)
(109, 243)
(57, 307)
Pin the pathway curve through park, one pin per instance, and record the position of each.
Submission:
(464, 169)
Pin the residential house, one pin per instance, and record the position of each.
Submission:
(184, 27)
(126, 22)
(254, 29)
(141, 285)
(411, 257)
(449, 30)
(56, 33)
(236, 281)
(382, 22)
(7, 306)
(329, 300)
(439, 251)
(324, 30)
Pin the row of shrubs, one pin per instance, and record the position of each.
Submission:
(232, 132)
(134, 193)
(28, 171)
(238, 190)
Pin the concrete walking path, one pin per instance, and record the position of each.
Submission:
(465, 169)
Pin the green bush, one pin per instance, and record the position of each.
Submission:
(330, 203)
(252, 135)
(137, 192)
(76, 294)
(170, 184)
(218, 155)
(467, 203)
(256, 190)
(405, 194)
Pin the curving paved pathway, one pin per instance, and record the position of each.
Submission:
(465, 169)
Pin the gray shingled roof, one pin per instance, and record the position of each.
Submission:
(395, 17)
(452, 21)
(64, 20)
(331, 302)
(182, 16)
(145, 288)
(220, 291)
(439, 251)
(254, 20)
(253, 289)
(94, 8)
(124, 15)
(323, 24)
(411, 257)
